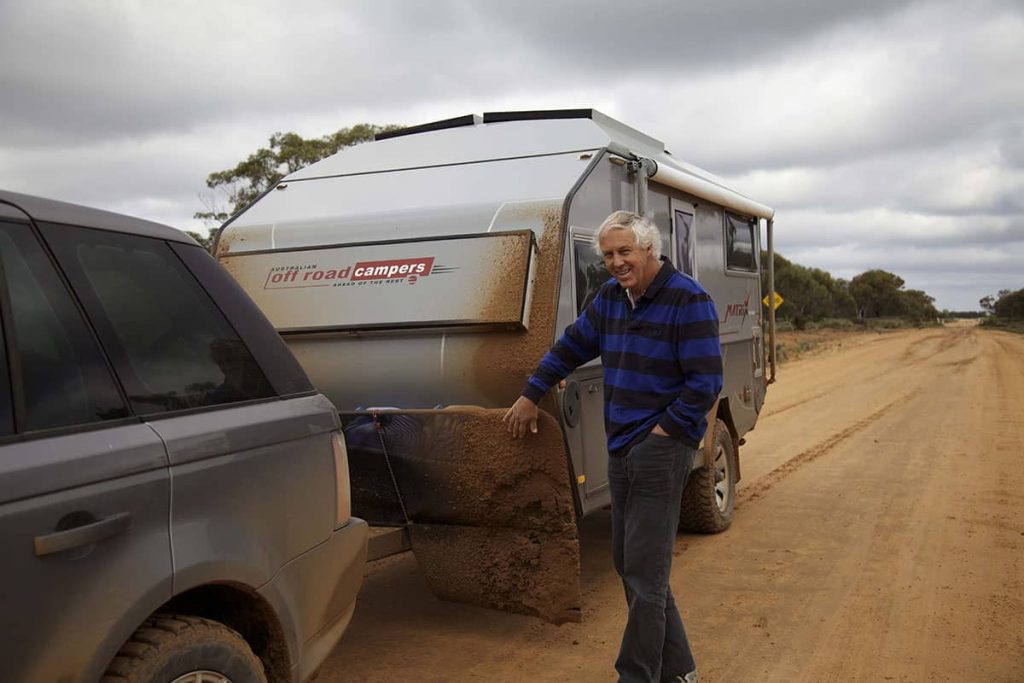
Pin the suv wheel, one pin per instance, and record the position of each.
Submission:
(184, 649)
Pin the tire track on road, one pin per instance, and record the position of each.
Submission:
(907, 360)
(767, 481)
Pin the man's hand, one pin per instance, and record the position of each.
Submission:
(521, 416)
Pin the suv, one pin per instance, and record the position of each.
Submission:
(174, 493)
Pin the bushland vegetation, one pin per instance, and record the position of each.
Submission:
(1004, 310)
(875, 298)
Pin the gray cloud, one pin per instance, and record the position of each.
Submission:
(1011, 145)
(666, 36)
(887, 134)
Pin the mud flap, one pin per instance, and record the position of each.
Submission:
(491, 518)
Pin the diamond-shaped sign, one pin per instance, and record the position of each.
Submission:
(778, 300)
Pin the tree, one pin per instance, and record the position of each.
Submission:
(285, 153)
(811, 294)
(841, 304)
(205, 241)
(807, 298)
(877, 293)
(1010, 305)
(918, 306)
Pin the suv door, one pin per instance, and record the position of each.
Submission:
(84, 487)
(253, 475)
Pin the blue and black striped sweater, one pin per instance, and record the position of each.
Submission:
(662, 360)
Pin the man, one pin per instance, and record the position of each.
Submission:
(656, 331)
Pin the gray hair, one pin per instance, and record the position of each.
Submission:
(645, 231)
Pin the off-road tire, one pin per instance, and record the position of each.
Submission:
(708, 508)
(167, 646)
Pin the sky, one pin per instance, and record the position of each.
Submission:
(885, 134)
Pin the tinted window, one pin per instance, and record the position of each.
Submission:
(64, 377)
(684, 238)
(739, 244)
(266, 345)
(6, 413)
(175, 348)
(590, 272)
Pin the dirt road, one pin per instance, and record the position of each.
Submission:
(879, 536)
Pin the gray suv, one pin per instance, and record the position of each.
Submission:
(174, 493)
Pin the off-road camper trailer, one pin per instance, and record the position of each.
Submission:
(421, 277)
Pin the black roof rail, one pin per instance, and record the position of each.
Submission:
(499, 116)
(488, 117)
(467, 120)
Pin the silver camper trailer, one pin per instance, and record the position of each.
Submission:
(420, 278)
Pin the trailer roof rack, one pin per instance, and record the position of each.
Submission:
(489, 117)
(458, 121)
(536, 115)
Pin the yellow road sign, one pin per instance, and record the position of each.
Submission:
(778, 300)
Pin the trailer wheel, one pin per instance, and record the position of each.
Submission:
(710, 495)
(185, 649)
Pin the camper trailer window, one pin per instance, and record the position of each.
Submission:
(590, 271)
(739, 244)
(684, 239)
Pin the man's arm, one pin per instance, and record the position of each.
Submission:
(578, 344)
(699, 353)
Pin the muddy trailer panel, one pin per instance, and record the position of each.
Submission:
(472, 280)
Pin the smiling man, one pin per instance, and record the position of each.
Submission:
(656, 331)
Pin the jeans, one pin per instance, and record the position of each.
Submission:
(646, 486)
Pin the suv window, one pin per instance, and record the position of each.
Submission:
(64, 378)
(6, 411)
(284, 372)
(170, 343)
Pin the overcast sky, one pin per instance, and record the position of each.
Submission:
(886, 134)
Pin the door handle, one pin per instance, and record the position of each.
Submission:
(86, 534)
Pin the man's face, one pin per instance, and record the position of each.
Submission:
(633, 266)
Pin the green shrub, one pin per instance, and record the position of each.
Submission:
(1005, 325)
(886, 323)
(832, 324)
(805, 345)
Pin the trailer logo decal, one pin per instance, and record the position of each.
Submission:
(734, 310)
(363, 272)
(386, 270)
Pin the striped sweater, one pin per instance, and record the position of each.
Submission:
(662, 359)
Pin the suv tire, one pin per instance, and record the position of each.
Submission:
(169, 647)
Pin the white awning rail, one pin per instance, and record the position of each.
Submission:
(706, 189)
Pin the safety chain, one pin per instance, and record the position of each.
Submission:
(387, 460)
